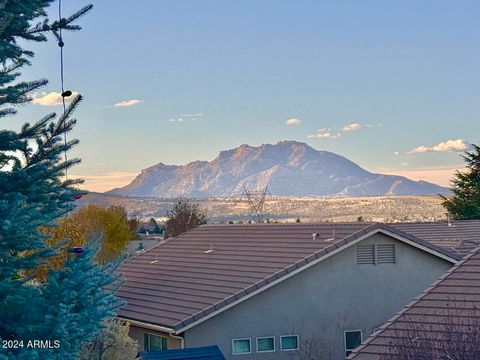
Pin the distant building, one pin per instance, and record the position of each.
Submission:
(268, 291)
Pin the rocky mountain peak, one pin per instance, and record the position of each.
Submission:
(287, 168)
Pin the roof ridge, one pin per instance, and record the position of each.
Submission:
(428, 244)
(334, 223)
(277, 275)
(299, 265)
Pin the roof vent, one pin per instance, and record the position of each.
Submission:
(316, 236)
(333, 236)
(209, 251)
(365, 254)
(449, 221)
(154, 261)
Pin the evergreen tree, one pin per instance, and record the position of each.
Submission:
(465, 202)
(71, 304)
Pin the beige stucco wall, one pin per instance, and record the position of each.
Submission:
(325, 300)
(136, 333)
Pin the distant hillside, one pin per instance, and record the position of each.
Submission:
(288, 168)
(308, 209)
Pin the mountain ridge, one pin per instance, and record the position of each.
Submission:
(288, 168)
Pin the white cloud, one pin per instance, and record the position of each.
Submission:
(396, 153)
(352, 127)
(324, 133)
(457, 145)
(293, 121)
(193, 115)
(126, 103)
(50, 99)
(186, 117)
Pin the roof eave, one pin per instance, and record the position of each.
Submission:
(307, 263)
(148, 326)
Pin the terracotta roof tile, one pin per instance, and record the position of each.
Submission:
(453, 302)
(181, 280)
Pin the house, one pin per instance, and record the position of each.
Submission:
(272, 291)
(443, 320)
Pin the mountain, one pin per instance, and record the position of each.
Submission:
(287, 168)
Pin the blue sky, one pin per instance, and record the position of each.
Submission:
(405, 73)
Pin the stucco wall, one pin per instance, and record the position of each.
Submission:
(330, 297)
(136, 333)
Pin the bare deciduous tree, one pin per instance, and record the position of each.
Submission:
(452, 337)
(183, 217)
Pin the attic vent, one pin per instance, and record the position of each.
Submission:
(376, 254)
(386, 254)
(366, 254)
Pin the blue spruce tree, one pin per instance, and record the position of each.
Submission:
(70, 305)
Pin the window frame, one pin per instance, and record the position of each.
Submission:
(265, 351)
(243, 353)
(285, 336)
(146, 346)
(345, 340)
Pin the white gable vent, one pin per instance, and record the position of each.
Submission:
(386, 254)
(365, 254)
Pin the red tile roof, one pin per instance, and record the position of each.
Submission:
(460, 237)
(182, 281)
(451, 304)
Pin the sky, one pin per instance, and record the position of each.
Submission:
(392, 85)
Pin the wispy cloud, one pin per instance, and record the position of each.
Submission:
(457, 145)
(336, 132)
(50, 99)
(353, 127)
(293, 121)
(325, 133)
(126, 103)
(193, 115)
(396, 153)
(184, 117)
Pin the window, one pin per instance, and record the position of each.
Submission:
(265, 344)
(376, 254)
(154, 342)
(289, 342)
(241, 346)
(353, 338)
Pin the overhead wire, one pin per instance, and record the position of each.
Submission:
(63, 93)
